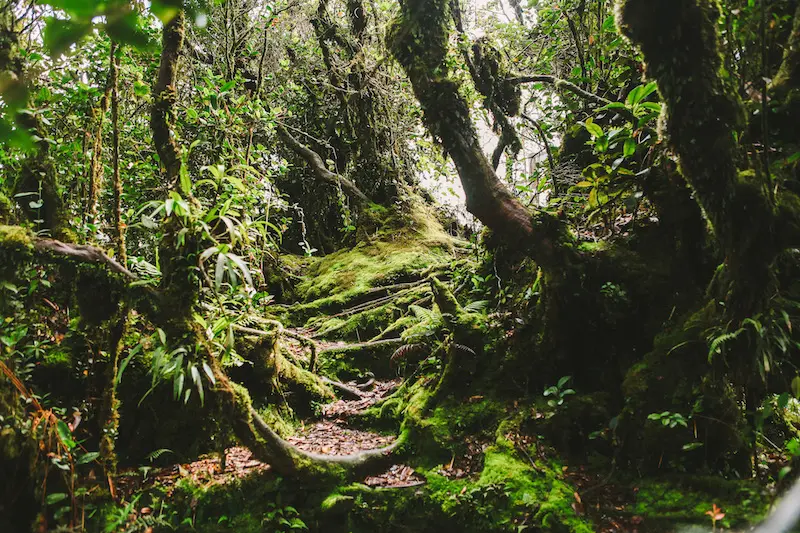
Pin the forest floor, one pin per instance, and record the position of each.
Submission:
(327, 434)
(476, 468)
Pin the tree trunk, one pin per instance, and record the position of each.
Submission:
(681, 47)
(419, 41)
(164, 97)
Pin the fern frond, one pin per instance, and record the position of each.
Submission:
(464, 349)
(158, 453)
(403, 352)
(422, 313)
(477, 306)
(719, 341)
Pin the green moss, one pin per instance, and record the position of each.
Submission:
(399, 254)
(358, 326)
(6, 209)
(668, 503)
(396, 328)
(279, 418)
(57, 358)
(353, 361)
(15, 237)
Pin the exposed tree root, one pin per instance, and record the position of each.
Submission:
(248, 426)
(347, 391)
(267, 446)
(282, 331)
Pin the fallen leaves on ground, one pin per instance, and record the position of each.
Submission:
(398, 476)
(345, 408)
(328, 438)
(468, 462)
(239, 462)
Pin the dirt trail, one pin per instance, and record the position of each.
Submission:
(328, 435)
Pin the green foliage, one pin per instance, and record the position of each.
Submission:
(558, 392)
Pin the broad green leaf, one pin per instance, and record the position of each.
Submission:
(140, 89)
(65, 435)
(209, 373)
(593, 129)
(186, 181)
(60, 34)
(88, 457)
(630, 147)
(177, 387)
(195, 375)
(55, 498)
(219, 274)
(783, 400)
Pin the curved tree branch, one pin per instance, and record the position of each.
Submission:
(318, 167)
(419, 42)
(574, 89)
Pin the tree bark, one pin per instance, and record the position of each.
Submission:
(320, 170)
(681, 47)
(164, 96)
(118, 190)
(419, 41)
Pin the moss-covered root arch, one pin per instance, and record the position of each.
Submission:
(288, 460)
(18, 247)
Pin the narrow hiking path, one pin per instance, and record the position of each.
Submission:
(328, 433)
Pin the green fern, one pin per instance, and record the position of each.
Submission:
(476, 306)
(718, 342)
(153, 456)
(425, 315)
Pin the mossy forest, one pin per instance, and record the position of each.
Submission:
(357, 266)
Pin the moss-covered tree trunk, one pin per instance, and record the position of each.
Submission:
(96, 165)
(164, 97)
(419, 41)
(702, 120)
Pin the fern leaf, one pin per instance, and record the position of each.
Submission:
(403, 352)
(476, 306)
(158, 453)
(464, 349)
(421, 313)
(721, 340)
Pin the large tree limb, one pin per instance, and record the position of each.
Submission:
(318, 167)
(419, 42)
(681, 46)
(82, 253)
